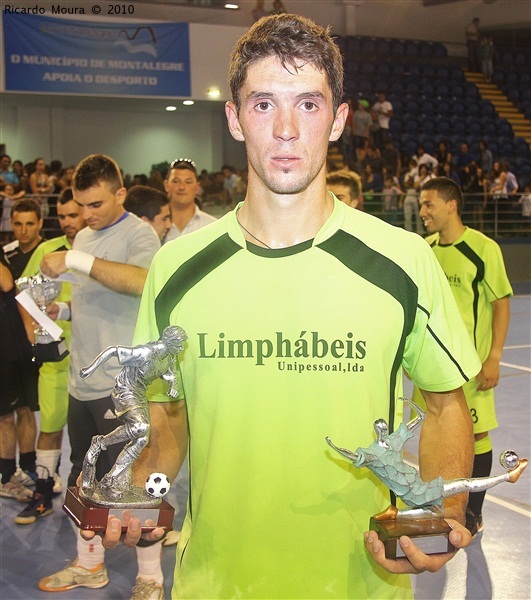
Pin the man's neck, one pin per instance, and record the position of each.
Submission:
(282, 221)
(452, 233)
(182, 215)
(25, 248)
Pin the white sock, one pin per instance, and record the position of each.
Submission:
(47, 461)
(149, 562)
(89, 554)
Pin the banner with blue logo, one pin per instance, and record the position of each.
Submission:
(46, 54)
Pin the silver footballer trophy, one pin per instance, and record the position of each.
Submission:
(90, 505)
(42, 291)
(424, 521)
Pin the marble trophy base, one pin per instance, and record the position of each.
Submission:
(430, 535)
(93, 514)
(53, 351)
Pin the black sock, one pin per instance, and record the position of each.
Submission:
(27, 460)
(8, 466)
(482, 468)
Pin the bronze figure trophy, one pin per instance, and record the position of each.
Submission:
(90, 505)
(424, 521)
(42, 291)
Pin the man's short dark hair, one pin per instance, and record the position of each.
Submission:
(145, 201)
(295, 41)
(183, 163)
(96, 169)
(350, 179)
(65, 196)
(447, 190)
(27, 205)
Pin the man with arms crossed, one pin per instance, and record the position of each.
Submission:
(474, 267)
(110, 259)
(273, 363)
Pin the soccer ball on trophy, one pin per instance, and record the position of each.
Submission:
(157, 485)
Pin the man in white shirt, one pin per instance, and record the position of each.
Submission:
(423, 158)
(383, 110)
(182, 186)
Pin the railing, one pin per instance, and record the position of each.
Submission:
(501, 218)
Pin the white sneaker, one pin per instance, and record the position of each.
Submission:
(25, 478)
(57, 484)
(147, 589)
(14, 489)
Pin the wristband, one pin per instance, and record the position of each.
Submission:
(79, 261)
(64, 312)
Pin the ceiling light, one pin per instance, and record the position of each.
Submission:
(232, 6)
(213, 92)
(171, 108)
(188, 102)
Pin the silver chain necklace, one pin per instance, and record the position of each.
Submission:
(252, 234)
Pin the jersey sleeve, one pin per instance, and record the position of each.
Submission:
(438, 355)
(497, 284)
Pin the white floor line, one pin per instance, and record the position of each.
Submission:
(509, 506)
(518, 347)
(519, 367)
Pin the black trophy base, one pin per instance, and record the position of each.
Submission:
(52, 352)
(429, 535)
(93, 517)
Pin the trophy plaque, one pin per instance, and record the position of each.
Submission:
(42, 291)
(423, 521)
(91, 503)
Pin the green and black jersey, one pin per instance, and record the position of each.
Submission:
(284, 348)
(475, 270)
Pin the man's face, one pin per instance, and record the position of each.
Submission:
(100, 207)
(4, 163)
(182, 187)
(162, 222)
(26, 228)
(343, 193)
(286, 120)
(71, 219)
(434, 211)
(464, 148)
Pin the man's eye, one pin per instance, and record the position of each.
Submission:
(309, 105)
(263, 105)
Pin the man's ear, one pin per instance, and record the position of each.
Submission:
(234, 122)
(120, 195)
(339, 122)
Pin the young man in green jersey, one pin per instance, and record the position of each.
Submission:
(474, 267)
(53, 376)
(273, 363)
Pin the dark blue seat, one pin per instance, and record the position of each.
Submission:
(368, 46)
(397, 47)
(411, 48)
(383, 47)
(442, 127)
(427, 107)
(425, 49)
(413, 70)
(472, 109)
(439, 50)
(427, 126)
(497, 77)
(442, 72)
(443, 108)
(458, 109)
